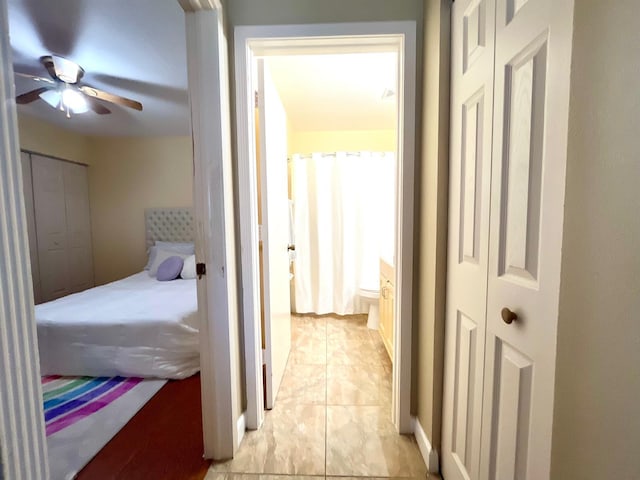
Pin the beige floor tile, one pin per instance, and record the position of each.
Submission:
(352, 351)
(305, 327)
(303, 385)
(347, 329)
(309, 351)
(358, 385)
(429, 476)
(213, 475)
(362, 441)
(290, 442)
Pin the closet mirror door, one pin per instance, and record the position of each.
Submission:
(469, 190)
(533, 57)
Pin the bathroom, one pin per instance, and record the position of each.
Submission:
(341, 122)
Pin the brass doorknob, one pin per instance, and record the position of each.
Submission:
(508, 316)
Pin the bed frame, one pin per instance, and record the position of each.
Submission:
(173, 224)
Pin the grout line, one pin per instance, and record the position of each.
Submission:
(326, 395)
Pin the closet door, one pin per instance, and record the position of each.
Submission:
(469, 189)
(533, 59)
(79, 252)
(27, 183)
(51, 226)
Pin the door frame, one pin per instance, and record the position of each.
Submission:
(250, 41)
(23, 451)
(23, 448)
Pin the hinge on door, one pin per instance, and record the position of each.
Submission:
(201, 269)
(255, 96)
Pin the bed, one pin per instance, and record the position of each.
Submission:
(134, 327)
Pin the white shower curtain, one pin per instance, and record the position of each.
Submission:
(344, 222)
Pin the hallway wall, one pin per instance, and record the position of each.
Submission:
(431, 232)
(282, 12)
(596, 428)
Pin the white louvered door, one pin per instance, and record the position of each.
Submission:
(512, 390)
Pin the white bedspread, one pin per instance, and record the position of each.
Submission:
(135, 327)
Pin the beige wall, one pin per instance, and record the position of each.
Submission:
(432, 224)
(596, 428)
(38, 136)
(341, 140)
(281, 12)
(127, 176)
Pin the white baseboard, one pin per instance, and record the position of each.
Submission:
(241, 425)
(429, 454)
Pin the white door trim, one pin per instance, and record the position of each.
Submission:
(260, 40)
(215, 240)
(23, 449)
(23, 453)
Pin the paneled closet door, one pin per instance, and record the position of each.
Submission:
(533, 59)
(472, 71)
(27, 183)
(51, 226)
(79, 251)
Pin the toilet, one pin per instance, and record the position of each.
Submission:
(369, 296)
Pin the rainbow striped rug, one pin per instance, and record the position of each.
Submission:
(83, 413)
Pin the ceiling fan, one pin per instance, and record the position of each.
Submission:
(65, 92)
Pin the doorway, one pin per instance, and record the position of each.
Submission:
(326, 152)
(253, 42)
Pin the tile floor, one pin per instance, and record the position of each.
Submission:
(333, 412)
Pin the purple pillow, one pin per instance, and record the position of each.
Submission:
(170, 269)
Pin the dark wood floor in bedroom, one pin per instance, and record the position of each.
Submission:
(163, 441)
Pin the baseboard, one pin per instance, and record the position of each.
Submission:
(241, 425)
(429, 454)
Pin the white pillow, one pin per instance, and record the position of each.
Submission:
(183, 248)
(189, 268)
(161, 256)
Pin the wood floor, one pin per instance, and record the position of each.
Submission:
(163, 441)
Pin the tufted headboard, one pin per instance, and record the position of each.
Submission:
(169, 225)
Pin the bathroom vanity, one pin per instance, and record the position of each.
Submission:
(387, 304)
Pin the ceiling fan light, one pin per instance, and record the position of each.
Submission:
(74, 100)
(52, 97)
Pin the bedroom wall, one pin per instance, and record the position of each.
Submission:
(127, 175)
(596, 427)
(41, 137)
(341, 140)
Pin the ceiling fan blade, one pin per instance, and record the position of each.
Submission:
(110, 97)
(34, 77)
(30, 96)
(97, 106)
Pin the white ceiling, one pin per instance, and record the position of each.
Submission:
(337, 92)
(137, 49)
